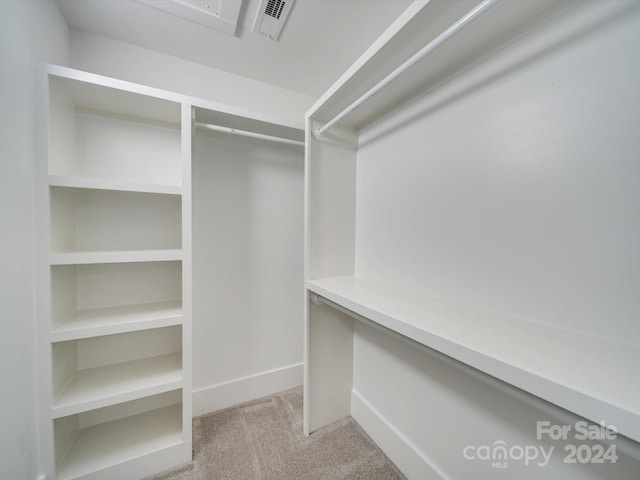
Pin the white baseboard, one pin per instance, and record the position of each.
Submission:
(223, 395)
(413, 463)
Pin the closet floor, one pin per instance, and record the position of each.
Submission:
(263, 439)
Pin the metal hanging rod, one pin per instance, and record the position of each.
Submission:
(245, 133)
(317, 299)
(426, 50)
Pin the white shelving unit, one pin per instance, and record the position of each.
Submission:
(564, 366)
(116, 259)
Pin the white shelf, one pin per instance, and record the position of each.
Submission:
(109, 134)
(421, 23)
(572, 370)
(104, 94)
(103, 386)
(107, 184)
(114, 256)
(102, 446)
(108, 321)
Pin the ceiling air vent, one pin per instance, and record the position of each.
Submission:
(271, 17)
(220, 15)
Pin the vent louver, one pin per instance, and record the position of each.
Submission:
(271, 17)
(274, 8)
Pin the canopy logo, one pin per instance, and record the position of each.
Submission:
(499, 453)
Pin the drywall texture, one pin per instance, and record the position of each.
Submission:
(105, 56)
(30, 32)
(247, 266)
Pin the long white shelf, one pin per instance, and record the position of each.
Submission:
(103, 386)
(108, 321)
(102, 446)
(82, 257)
(592, 377)
(419, 25)
(105, 184)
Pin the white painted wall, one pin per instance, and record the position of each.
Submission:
(247, 270)
(440, 406)
(30, 32)
(105, 56)
(516, 189)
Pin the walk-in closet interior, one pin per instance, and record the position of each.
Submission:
(420, 216)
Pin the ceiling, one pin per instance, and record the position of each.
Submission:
(320, 40)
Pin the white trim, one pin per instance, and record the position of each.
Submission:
(413, 463)
(223, 395)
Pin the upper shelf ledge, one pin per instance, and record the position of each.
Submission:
(429, 48)
(108, 184)
(430, 43)
(83, 257)
(592, 377)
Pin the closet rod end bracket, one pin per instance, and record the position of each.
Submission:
(315, 298)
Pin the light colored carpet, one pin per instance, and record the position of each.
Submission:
(263, 440)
